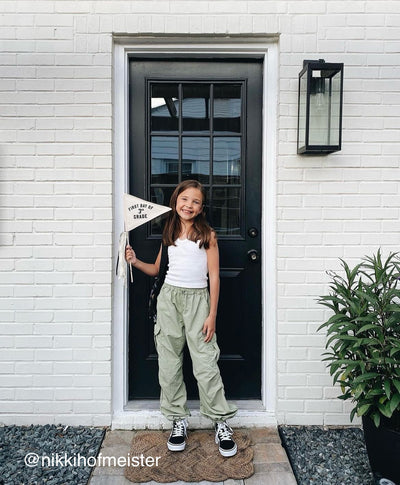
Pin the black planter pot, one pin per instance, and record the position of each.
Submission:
(383, 447)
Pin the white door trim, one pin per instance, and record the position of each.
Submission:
(141, 414)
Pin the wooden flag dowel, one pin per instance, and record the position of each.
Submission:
(130, 264)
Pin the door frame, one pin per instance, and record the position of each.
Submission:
(139, 414)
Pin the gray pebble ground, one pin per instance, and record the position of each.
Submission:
(326, 456)
(50, 441)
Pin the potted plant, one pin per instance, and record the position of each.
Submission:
(363, 353)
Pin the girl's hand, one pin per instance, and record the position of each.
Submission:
(209, 328)
(130, 255)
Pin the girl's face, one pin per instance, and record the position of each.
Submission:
(189, 204)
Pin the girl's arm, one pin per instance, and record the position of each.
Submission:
(147, 268)
(213, 276)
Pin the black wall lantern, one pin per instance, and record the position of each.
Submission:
(319, 128)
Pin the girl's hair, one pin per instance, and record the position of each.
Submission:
(201, 230)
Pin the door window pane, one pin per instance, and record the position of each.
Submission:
(227, 163)
(227, 108)
(226, 211)
(195, 107)
(160, 195)
(164, 107)
(196, 158)
(164, 159)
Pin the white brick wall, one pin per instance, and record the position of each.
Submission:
(56, 188)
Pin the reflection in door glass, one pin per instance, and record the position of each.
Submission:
(196, 158)
(195, 107)
(226, 211)
(164, 159)
(227, 107)
(164, 107)
(160, 195)
(226, 166)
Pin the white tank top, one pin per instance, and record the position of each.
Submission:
(187, 265)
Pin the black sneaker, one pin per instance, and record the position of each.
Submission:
(176, 440)
(223, 438)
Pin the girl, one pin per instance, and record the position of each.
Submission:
(186, 311)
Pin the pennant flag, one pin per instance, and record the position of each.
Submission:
(138, 211)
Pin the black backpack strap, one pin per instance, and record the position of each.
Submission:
(157, 285)
(163, 263)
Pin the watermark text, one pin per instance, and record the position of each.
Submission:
(61, 460)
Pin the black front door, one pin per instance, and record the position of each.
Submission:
(201, 119)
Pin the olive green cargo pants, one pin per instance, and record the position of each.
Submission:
(181, 313)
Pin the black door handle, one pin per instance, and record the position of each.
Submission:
(253, 255)
(252, 232)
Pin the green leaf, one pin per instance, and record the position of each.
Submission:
(393, 351)
(393, 308)
(368, 318)
(358, 391)
(377, 419)
(394, 402)
(396, 384)
(367, 327)
(363, 409)
(334, 368)
(385, 409)
(369, 296)
(386, 386)
(365, 377)
(374, 392)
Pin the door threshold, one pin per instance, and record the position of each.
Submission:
(145, 414)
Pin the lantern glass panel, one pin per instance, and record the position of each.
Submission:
(325, 108)
(334, 132)
(302, 111)
(319, 109)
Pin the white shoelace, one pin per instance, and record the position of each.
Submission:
(224, 432)
(179, 428)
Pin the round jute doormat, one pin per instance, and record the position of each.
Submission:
(199, 461)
